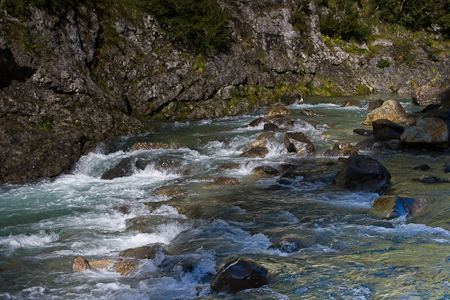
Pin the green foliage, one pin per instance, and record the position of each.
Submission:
(199, 24)
(383, 63)
(343, 21)
(402, 52)
(299, 16)
(415, 14)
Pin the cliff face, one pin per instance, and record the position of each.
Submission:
(61, 93)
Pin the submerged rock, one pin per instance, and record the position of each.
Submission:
(124, 168)
(423, 167)
(290, 244)
(238, 275)
(363, 173)
(431, 179)
(396, 206)
(391, 110)
(230, 166)
(308, 112)
(226, 181)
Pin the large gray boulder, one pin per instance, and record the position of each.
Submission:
(238, 275)
(363, 173)
(427, 95)
(427, 131)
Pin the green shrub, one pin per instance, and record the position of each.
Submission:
(383, 63)
(402, 52)
(343, 20)
(415, 14)
(198, 24)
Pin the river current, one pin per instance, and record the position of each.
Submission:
(336, 246)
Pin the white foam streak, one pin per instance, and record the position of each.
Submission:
(41, 239)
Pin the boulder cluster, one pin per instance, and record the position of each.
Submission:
(391, 130)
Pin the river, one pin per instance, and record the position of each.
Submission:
(335, 245)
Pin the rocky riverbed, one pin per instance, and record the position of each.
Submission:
(182, 213)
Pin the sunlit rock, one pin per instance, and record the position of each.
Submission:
(427, 131)
(391, 110)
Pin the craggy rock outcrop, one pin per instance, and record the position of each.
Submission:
(396, 206)
(239, 274)
(427, 95)
(363, 173)
(63, 89)
(427, 131)
(391, 110)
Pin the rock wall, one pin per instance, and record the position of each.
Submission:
(61, 93)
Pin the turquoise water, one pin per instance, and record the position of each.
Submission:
(346, 250)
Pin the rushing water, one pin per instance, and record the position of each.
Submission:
(346, 250)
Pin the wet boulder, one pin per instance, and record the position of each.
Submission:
(124, 168)
(272, 127)
(298, 142)
(363, 132)
(265, 171)
(239, 274)
(264, 136)
(366, 144)
(427, 131)
(258, 143)
(391, 110)
(396, 206)
(276, 109)
(144, 252)
(426, 95)
(255, 152)
(361, 172)
(423, 167)
(351, 102)
(258, 122)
